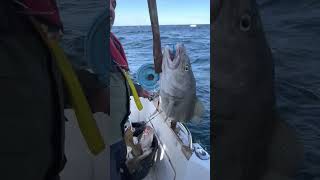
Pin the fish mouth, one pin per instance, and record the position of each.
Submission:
(111, 19)
(173, 57)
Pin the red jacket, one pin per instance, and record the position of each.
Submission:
(117, 52)
(46, 10)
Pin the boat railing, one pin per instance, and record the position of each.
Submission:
(189, 136)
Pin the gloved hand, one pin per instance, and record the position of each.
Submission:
(143, 93)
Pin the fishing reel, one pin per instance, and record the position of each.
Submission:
(148, 78)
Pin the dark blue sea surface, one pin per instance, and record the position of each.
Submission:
(137, 42)
(292, 28)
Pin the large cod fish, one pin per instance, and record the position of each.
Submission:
(178, 86)
(251, 140)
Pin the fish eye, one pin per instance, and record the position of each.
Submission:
(245, 22)
(186, 68)
(114, 4)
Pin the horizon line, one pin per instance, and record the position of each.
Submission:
(161, 25)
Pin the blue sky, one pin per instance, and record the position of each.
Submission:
(170, 12)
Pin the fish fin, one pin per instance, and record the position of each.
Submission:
(198, 111)
(285, 151)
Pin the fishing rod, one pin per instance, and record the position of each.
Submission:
(157, 54)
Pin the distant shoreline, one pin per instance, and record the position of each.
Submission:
(160, 25)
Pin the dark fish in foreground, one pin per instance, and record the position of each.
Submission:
(178, 86)
(251, 142)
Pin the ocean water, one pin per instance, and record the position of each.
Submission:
(292, 28)
(137, 42)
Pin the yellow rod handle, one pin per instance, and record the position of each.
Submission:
(134, 91)
(87, 124)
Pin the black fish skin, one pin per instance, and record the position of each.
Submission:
(250, 141)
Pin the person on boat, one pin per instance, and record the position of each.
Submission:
(31, 93)
(119, 98)
(112, 99)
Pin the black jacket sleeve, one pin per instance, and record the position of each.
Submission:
(89, 83)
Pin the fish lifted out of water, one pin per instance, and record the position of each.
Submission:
(178, 86)
(251, 142)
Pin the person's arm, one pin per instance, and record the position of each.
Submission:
(141, 92)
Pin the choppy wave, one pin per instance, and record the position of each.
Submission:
(292, 30)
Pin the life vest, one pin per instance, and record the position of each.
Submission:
(117, 52)
(118, 56)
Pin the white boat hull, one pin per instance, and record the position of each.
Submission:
(175, 160)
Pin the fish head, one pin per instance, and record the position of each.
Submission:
(177, 76)
(242, 57)
(176, 59)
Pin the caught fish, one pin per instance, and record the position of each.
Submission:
(178, 86)
(251, 140)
